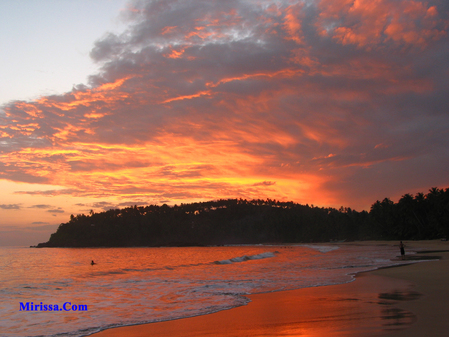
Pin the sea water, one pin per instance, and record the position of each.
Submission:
(140, 285)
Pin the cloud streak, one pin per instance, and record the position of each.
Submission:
(200, 100)
(11, 206)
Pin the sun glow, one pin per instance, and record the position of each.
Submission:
(288, 100)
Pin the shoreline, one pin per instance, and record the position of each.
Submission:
(430, 280)
(386, 301)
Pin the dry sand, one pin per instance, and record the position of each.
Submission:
(410, 301)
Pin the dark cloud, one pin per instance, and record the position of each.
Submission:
(130, 204)
(41, 206)
(206, 99)
(56, 210)
(49, 192)
(11, 206)
(265, 183)
(102, 204)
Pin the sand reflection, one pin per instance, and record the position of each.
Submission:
(366, 307)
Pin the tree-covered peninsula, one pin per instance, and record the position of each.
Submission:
(238, 221)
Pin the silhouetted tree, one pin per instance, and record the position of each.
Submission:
(256, 221)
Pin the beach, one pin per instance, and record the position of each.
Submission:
(430, 280)
(408, 300)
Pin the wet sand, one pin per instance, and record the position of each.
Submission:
(408, 301)
(431, 279)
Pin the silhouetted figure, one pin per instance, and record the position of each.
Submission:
(401, 246)
(92, 263)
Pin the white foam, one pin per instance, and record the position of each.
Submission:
(191, 285)
(322, 249)
(247, 258)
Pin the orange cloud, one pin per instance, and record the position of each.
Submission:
(180, 98)
(104, 93)
(244, 99)
(282, 73)
(292, 23)
(368, 23)
(175, 54)
(168, 29)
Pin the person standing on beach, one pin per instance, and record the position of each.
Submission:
(401, 246)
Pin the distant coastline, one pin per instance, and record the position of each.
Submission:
(239, 221)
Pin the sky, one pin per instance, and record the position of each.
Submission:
(107, 104)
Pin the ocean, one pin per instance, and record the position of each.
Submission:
(130, 286)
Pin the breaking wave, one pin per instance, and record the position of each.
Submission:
(322, 249)
(247, 258)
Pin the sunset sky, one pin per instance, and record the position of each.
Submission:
(106, 104)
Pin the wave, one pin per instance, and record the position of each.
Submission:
(247, 258)
(322, 249)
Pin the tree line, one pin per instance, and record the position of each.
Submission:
(239, 221)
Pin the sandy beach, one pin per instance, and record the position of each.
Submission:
(408, 300)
